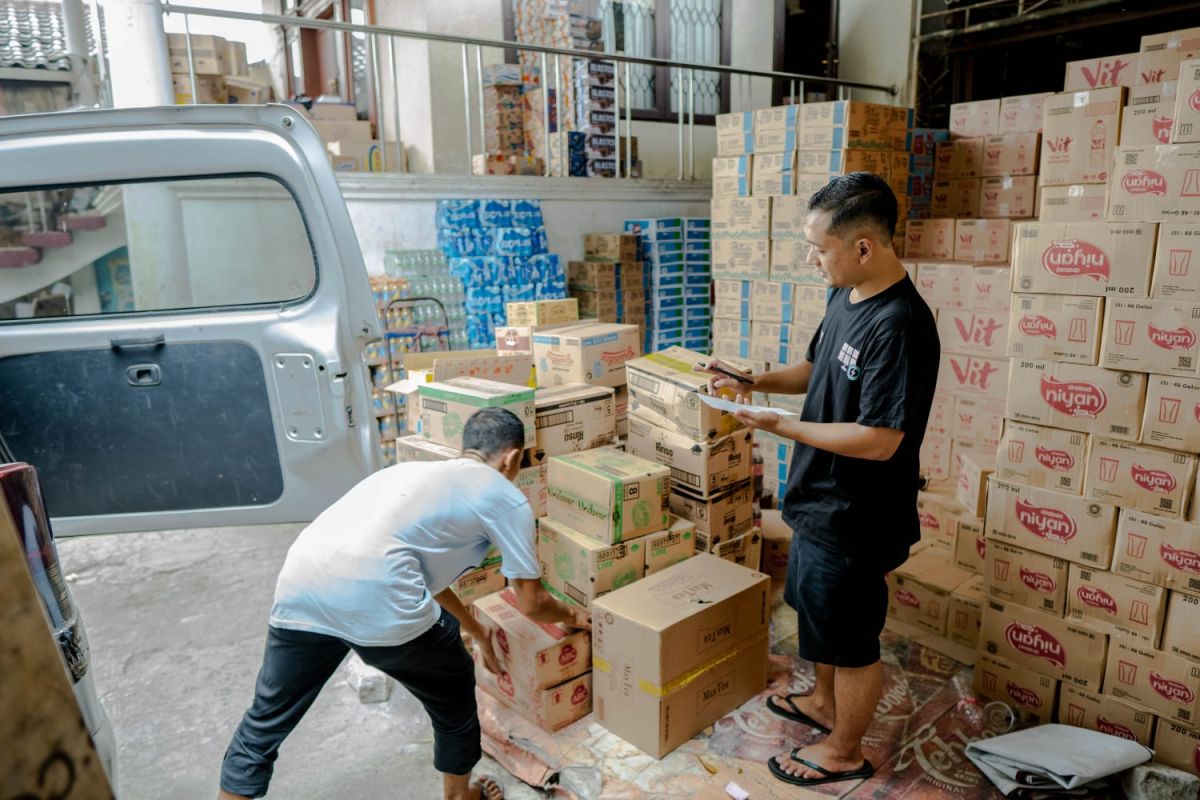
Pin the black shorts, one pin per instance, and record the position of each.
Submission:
(840, 600)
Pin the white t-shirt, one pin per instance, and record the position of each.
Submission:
(367, 568)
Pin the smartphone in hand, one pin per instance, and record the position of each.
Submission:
(715, 366)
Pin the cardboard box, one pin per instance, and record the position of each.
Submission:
(982, 241)
(1076, 397)
(1177, 263)
(1055, 327)
(610, 247)
(1155, 184)
(721, 517)
(774, 174)
(735, 133)
(354, 156)
(446, 407)
(702, 468)
(209, 89)
(1081, 202)
(1079, 132)
(788, 215)
(1158, 336)
(1044, 458)
(1010, 156)
(731, 176)
(578, 569)
(1051, 523)
(1177, 746)
(938, 514)
(945, 284)
(543, 312)
(333, 112)
(1021, 114)
(919, 590)
(1089, 258)
(1181, 632)
(775, 129)
(574, 417)
(1158, 550)
(989, 289)
(1187, 105)
(208, 54)
(667, 548)
(971, 482)
(1172, 416)
(741, 259)
(972, 375)
(608, 495)
(1154, 680)
(550, 709)
(1097, 73)
(1029, 695)
(531, 482)
(1008, 197)
(478, 583)
(846, 124)
(1057, 648)
(1117, 603)
(777, 544)
(1101, 713)
(1147, 124)
(1134, 476)
(705, 619)
(970, 546)
(966, 612)
(789, 263)
(245, 91)
(978, 118)
(594, 353)
(741, 217)
(956, 198)
(958, 158)
(666, 384)
(936, 457)
(1026, 578)
(978, 421)
(352, 130)
(625, 277)
(1161, 54)
(744, 550)
(235, 58)
(930, 238)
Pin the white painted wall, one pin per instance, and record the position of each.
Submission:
(874, 40)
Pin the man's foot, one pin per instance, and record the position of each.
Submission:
(802, 708)
(486, 789)
(824, 765)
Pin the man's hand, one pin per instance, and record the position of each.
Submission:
(487, 652)
(581, 618)
(762, 420)
(717, 381)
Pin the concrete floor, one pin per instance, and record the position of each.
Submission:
(176, 622)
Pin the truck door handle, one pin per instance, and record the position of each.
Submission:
(158, 340)
(144, 375)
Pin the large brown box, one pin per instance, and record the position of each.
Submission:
(1056, 327)
(982, 241)
(608, 495)
(1079, 133)
(1187, 104)
(956, 198)
(1081, 202)
(1177, 746)
(702, 468)
(1011, 155)
(1172, 417)
(721, 517)
(966, 612)
(1078, 398)
(1167, 684)
(1158, 336)
(919, 590)
(1008, 197)
(676, 651)
(1124, 605)
(1052, 523)
(1140, 478)
(1177, 263)
(1105, 714)
(1026, 578)
(959, 158)
(1058, 648)
(1087, 258)
(1155, 184)
(1021, 114)
(1181, 632)
(930, 238)
(1042, 457)
(1158, 550)
(1097, 73)
(976, 118)
(969, 332)
(1031, 695)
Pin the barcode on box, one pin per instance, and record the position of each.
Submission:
(1089, 557)
(1130, 159)
(1123, 430)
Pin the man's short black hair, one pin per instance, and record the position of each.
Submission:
(856, 200)
(491, 431)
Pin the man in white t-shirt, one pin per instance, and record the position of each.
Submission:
(372, 574)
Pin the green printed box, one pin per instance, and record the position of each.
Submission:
(446, 406)
(608, 495)
(579, 569)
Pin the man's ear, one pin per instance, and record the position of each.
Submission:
(512, 461)
(865, 247)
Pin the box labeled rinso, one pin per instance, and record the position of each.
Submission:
(721, 517)
(1137, 477)
(702, 468)
(1102, 713)
(1055, 327)
(1093, 258)
(608, 495)
(1172, 416)
(1158, 336)
(1057, 648)
(1076, 397)
(1041, 457)
(574, 417)
(1132, 607)
(667, 384)
(1026, 578)
(1052, 523)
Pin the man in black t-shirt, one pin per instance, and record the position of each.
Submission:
(868, 379)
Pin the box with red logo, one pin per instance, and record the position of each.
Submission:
(990, 289)
(1076, 397)
(1031, 696)
(970, 488)
(1081, 202)
(536, 658)
(1031, 639)
(982, 241)
(936, 456)
(1021, 114)
(970, 545)
(956, 198)
(1008, 197)
(1177, 263)
(1160, 336)
(980, 421)
(969, 332)
(959, 158)
(929, 238)
(1098, 712)
(919, 590)
(1055, 327)
(1120, 604)
(1097, 73)
(1026, 578)
(977, 118)
(941, 413)
(1177, 746)
(1011, 155)
(944, 284)
(972, 375)
(1187, 104)
(1161, 54)
(1158, 550)
(939, 514)
(1172, 413)
(1079, 132)
(1155, 184)
(1045, 458)
(1181, 633)
(966, 612)
(1052, 523)
(1134, 476)
(1150, 114)
(1087, 258)
(1167, 684)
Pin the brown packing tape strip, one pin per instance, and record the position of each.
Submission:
(654, 690)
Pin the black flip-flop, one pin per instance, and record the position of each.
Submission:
(794, 713)
(827, 776)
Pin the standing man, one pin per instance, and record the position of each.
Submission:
(851, 494)
(372, 574)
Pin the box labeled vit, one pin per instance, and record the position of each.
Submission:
(1008, 197)
(982, 241)
(1079, 133)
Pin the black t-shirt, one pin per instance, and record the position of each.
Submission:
(875, 362)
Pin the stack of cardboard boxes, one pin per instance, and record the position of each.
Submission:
(222, 74)
(677, 253)
(504, 136)
(922, 170)
(609, 282)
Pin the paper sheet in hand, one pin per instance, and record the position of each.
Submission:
(725, 405)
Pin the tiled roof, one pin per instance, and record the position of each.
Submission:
(32, 35)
